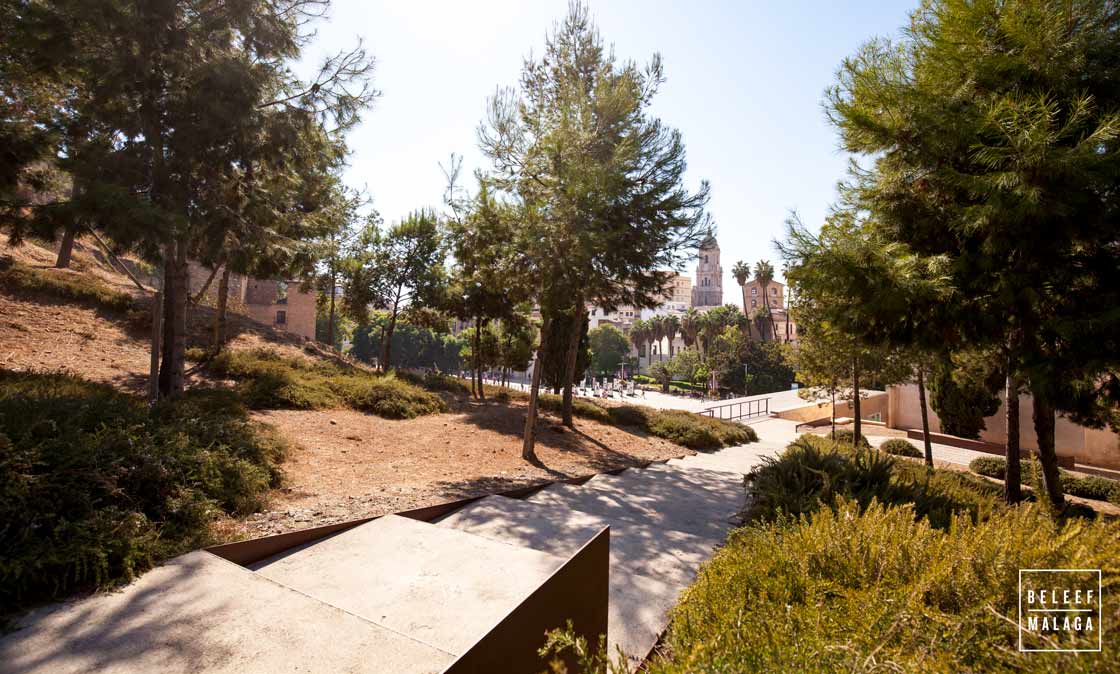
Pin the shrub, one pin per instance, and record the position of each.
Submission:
(585, 409)
(696, 431)
(900, 447)
(990, 466)
(631, 415)
(1090, 486)
(266, 380)
(64, 285)
(387, 396)
(858, 587)
(844, 436)
(814, 472)
(95, 488)
(434, 381)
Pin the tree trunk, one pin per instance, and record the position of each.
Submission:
(1047, 455)
(530, 438)
(571, 359)
(221, 313)
(833, 411)
(387, 339)
(171, 373)
(330, 311)
(66, 248)
(1012, 479)
(925, 416)
(857, 426)
(478, 356)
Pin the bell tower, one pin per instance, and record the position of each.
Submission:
(708, 289)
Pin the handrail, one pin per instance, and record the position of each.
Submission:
(754, 408)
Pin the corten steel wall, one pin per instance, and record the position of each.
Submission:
(1077, 443)
(578, 591)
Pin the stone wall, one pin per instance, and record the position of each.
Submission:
(1096, 447)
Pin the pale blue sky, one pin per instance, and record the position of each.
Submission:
(745, 84)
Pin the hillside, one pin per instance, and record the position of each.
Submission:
(91, 321)
(100, 331)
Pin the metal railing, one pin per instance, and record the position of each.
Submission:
(745, 409)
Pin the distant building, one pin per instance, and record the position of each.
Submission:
(280, 304)
(708, 289)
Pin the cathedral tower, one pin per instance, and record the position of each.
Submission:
(708, 290)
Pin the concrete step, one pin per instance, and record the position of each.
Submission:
(201, 613)
(636, 547)
(701, 515)
(438, 585)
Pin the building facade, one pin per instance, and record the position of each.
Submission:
(279, 304)
(707, 292)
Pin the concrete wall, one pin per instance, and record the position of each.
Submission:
(1083, 445)
(875, 403)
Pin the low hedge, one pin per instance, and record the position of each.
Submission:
(1090, 486)
(900, 447)
(845, 436)
(95, 487)
(267, 380)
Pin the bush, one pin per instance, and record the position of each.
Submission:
(900, 447)
(94, 488)
(631, 415)
(990, 466)
(266, 380)
(698, 432)
(585, 409)
(844, 436)
(861, 587)
(815, 472)
(1090, 486)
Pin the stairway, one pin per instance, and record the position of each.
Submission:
(401, 595)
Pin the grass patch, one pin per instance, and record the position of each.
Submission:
(900, 447)
(266, 380)
(80, 288)
(1090, 486)
(95, 488)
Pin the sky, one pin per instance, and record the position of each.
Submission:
(745, 85)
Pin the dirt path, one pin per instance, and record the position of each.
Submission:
(352, 465)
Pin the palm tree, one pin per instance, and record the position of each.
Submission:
(690, 327)
(657, 333)
(764, 274)
(672, 329)
(742, 271)
(639, 335)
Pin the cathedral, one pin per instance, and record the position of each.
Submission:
(707, 291)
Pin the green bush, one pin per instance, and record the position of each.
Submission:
(266, 380)
(433, 381)
(814, 472)
(844, 436)
(900, 447)
(873, 588)
(585, 409)
(1090, 486)
(990, 466)
(696, 431)
(95, 488)
(81, 288)
(631, 415)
